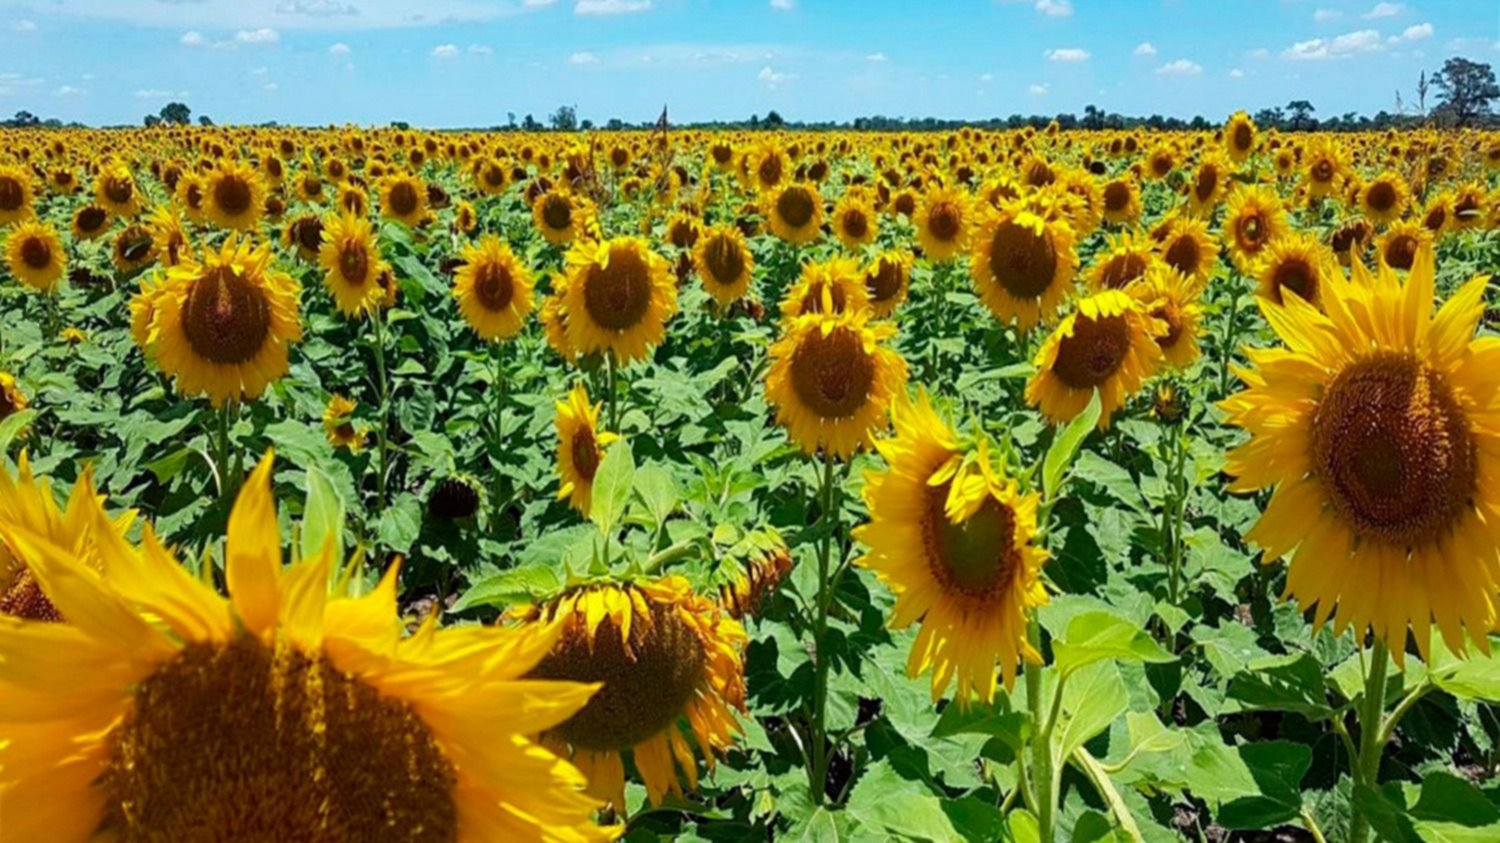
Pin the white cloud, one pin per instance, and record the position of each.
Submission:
(1145, 48)
(1037, 90)
(1236, 73)
(1055, 8)
(876, 57)
(157, 94)
(23, 26)
(1323, 15)
(481, 49)
(444, 51)
(1415, 32)
(583, 58)
(1067, 54)
(610, 7)
(1180, 67)
(1259, 54)
(784, 5)
(193, 39)
(1348, 44)
(315, 8)
(1385, 10)
(986, 78)
(257, 36)
(270, 87)
(773, 77)
(339, 49)
(537, 4)
(70, 91)
(259, 71)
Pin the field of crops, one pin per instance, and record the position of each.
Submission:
(1036, 485)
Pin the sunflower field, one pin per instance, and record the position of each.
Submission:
(1038, 485)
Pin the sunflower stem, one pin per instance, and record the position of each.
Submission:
(821, 752)
(1372, 736)
(1230, 337)
(613, 389)
(1043, 777)
(497, 386)
(382, 433)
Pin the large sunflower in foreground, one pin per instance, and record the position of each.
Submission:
(1378, 427)
(493, 289)
(351, 263)
(34, 254)
(580, 448)
(672, 673)
(832, 381)
(1023, 266)
(222, 326)
(1108, 344)
(163, 711)
(619, 296)
(724, 262)
(955, 542)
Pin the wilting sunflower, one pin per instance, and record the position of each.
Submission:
(1187, 248)
(339, 425)
(12, 399)
(854, 219)
(671, 668)
(1207, 185)
(34, 253)
(724, 262)
(944, 220)
(351, 263)
(403, 198)
(1121, 200)
(493, 289)
(313, 706)
(1378, 426)
(832, 286)
(1253, 219)
(887, 281)
(559, 216)
(1298, 263)
(1398, 247)
(1384, 198)
(1239, 137)
(580, 448)
(956, 542)
(234, 197)
(796, 212)
(168, 236)
(222, 325)
(115, 190)
(89, 222)
(1023, 265)
(1124, 259)
(1172, 299)
(619, 296)
(832, 380)
(16, 194)
(1108, 343)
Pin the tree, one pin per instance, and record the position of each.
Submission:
(586, 125)
(774, 120)
(203, 120)
(615, 124)
(529, 123)
(1465, 90)
(510, 119)
(151, 121)
(1093, 118)
(1302, 111)
(564, 119)
(176, 113)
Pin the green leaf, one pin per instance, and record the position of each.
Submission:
(1476, 677)
(323, 520)
(1093, 698)
(1278, 768)
(1283, 683)
(658, 492)
(400, 524)
(1065, 447)
(1389, 819)
(998, 720)
(1094, 827)
(1094, 636)
(166, 467)
(1024, 827)
(516, 585)
(824, 826)
(883, 800)
(612, 485)
(11, 427)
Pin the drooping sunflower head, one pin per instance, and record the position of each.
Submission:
(1375, 426)
(1186, 247)
(1125, 259)
(168, 236)
(1239, 136)
(1398, 247)
(887, 281)
(351, 263)
(115, 190)
(796, 211)
(580, 448)
(618, 297)
(1172, 299)
(234, 197)
(1023, 265)
(945, 221)
(559, 215)
(956, 542)
(16, 194)
(222, 325)
(403, 198)
(1107, 344)
(493, 289)
(832, 380)
(1384, 198)
(854, 219)
(723, 260)
(831, 286)
(1253, 219)
(1298, 264)
(670, 664)
(339, 424)
(34, 254)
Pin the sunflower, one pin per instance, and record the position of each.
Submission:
(1253, 218)
(671, 668)
(234, 197)
(143, 312)
(1022, 265)
(831, 286)
(192, 195)
(339, 425)
(304, 235)
(403, 198)
(222, 325)
(1384, 198)
(854, 219)
(29, 502)
(466, 217)
(491, 177)
(559, 216)
(134, 249)
(1239, 137)
(73, 335)
(12, 399)
(1121, 200)
(1172, 299)
(724, 262)
(352, 198)
(618, 297)
(493, 289)
(168, 237)
(1298, 263)
(797, 213)
(554, 321)
(310, 705)
(1108, 343)
(1207, 185)
(944, 223)
(1378, 427)
(1437, 214)
(35, 256)
(1323, 168)
(832, 380)
(766, 167)
(1350, 240)
(580, 448)
(1161, 162)
(957, 544)
(310, 185)
(89, 222)
(1398, 247)
(351, 263)
(115, 190)
(16, 194)
(1186, 247)
(683, 230)
(1468, 206)
(1125, 259)
(887, 281)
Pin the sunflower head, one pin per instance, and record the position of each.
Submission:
(16, 194)
(1107, 344)
(887, 281)
(854, 219)
(1121, 200)
(1126, 259)
(115, 190)
(89, 222)
(796, 211)
(1172, 300)
(403, 198)
(351, 263)
(1397, 248)
(580, 448)
(723, 260)
(1022, 265)
(618, 297)
(493, 289)
(1239, 136)
(1253, 219)
(34, 254)
(1384, 198)
(304, 235)
(234, 197)
(945, 223)
(134, 248)
(1296, 263)
(168, 236)
(1209, 181)
(12, 399)
(831, 286)
(1186, 247)
(340, 427)
(559, 215)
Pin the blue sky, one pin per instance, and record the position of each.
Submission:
(449, 63)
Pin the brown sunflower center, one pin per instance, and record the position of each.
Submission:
(493, 285)
(585, 452)
(557, 211)
(683, 234)
(795, 205)
(1401, 251)
(1161, 165)
(1323, 171)
(648, 681)
(1023, 262)
(1392, 448)
(724, 259)
(243, 742)
(1093, 352)
(1168, 313)
(1251, 231)
(1207, 182)
(12, 193)
(1121, 269)
(832, 373)
(618, 295)
(312, 185)
(494, 176)
(1435, 218)
(354, 262)
(977, 558)
(1381, 196)
(1243, 137)
(404, 198)
(1295, 274)
(35, 252)
(24, 598)
(119, 189)
(1184, 255)
(856, 224)
(194, 196)
(885, 282)
(232, 194)
(770, 170)
(308, 232)
(1116, 196)
(905, 204)
(92, 218)
(226, 317)
(943, 221)
(134, 244)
